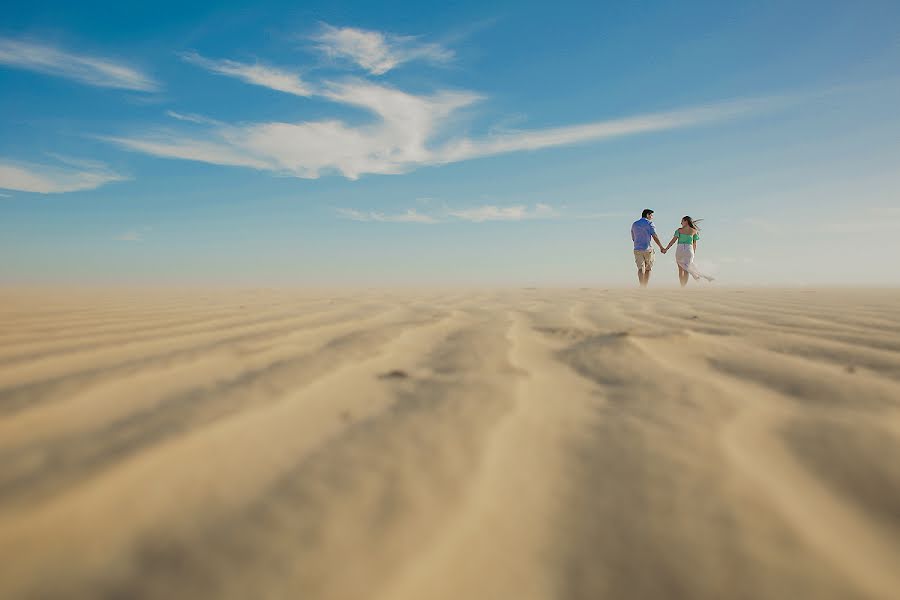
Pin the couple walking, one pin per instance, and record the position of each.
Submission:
(643, 232)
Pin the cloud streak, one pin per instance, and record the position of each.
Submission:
(409, 216)
(519, 212)
(407, 131)
(537, 139)
(475, 214)
(396, 141)
(375, 51)
(89, 70)
(48, 179)
(255, 74)
(192, 118)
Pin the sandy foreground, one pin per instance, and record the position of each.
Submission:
(416, 445)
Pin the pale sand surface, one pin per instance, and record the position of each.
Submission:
(534, 444)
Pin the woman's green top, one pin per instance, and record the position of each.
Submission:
(686, 238)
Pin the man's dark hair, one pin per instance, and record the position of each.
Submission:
(646, 212)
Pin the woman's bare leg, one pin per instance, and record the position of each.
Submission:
(682, 276)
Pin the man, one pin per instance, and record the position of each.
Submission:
(642, 233)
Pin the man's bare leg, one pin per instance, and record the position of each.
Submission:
(644, 277)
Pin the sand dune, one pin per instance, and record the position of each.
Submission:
(399, 445)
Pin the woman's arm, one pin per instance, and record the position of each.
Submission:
(672, 241)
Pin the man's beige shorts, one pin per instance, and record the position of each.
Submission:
(644, 259)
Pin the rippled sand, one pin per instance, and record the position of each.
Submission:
(518, 444)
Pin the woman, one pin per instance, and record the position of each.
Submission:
(686, 236)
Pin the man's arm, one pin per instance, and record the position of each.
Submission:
(672, 241)
(658, 243)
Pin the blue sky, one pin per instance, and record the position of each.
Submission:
(286, 143)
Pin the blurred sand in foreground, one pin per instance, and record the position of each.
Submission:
(450, 445)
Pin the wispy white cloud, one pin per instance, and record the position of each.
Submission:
(409, 216)
(489, 212)
(192, 118)
(214, 152)
(396, 141)
(256, 74)
(475, 214)
(90, 70)
(536, 139)
(408, 131)
(375, 51)
(51, 179)
(79, 163)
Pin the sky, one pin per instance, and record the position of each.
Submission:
(401, 143)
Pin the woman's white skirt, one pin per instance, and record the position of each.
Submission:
(684, 256)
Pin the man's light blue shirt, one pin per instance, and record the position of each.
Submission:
(642, 231)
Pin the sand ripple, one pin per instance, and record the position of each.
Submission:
(527, 444)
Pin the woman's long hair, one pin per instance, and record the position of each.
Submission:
(691, 222)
